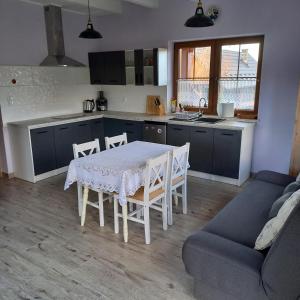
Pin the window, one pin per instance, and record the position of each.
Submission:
(224, 70)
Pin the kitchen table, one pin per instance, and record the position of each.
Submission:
(119, 170)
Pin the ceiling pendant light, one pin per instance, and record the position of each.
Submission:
(200, 19)
(90, 33)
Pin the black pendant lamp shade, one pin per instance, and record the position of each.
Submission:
(90, 32)
(200, 19)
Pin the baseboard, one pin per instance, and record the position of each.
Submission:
(7, 175)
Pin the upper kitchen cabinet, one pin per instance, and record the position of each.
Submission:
(107, 68)
(130, 67)
(151, 66)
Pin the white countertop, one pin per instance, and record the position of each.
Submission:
(230, 123)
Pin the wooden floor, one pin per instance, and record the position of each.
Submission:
(45, 254)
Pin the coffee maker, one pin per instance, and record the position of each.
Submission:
(101, 102)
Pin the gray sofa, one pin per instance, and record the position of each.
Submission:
(221, 258)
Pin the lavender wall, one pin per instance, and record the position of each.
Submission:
(23, 42)
(281, 65)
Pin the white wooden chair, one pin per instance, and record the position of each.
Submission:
(81, 150)
(178, 176)
(115, 141)
(152, 195)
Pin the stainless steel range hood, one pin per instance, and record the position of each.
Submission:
(55, 40)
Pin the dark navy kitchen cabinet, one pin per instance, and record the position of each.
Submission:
(97, 131)
(113, 127)
(139, 66)
(65, 136)
(82, 132)
(201, 149)
(107, 68)
(178, 135)
(43, 150)
(226, 157)
(134, 130)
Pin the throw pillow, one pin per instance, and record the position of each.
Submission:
(278, 204)
(292, 187)
(272, 228)
(298, 178)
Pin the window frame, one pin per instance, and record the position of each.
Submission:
(215, 70)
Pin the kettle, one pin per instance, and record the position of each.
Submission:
(88, 105)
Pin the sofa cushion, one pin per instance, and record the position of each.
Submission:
(275, 178)
(223, 264)
(278, 204)
(292, 187)
(273, 227)
(244, 217)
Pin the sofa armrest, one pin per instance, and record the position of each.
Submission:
(274, 177)
(224, 264)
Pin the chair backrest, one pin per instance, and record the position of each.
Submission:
(156, 175)
(180, 161)
(85, 149)
(115, 141)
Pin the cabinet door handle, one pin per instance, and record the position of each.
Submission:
(81, 125)
(201, 131)
(41, 132)
(227, 134)
(63, 128)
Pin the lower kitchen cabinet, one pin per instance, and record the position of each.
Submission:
(43, 150)
(97, 131)
(113, 127)
(178, 135)
(65, 136)
(226, 155)
(134, 130)
(82, 132)
(201, 149)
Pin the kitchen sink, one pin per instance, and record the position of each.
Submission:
(209, 120)
(68, 117)
(200, 120)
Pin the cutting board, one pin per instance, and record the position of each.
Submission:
(155, 106)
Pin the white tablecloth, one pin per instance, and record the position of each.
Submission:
(119, 170)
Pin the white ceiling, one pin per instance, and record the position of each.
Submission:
(98, 7)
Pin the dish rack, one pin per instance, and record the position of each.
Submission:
(186, 115)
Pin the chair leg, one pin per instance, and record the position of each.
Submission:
(184, 199)
(125, 224)
(79, 197)
(130, 207)
(116, 214)
(170, 207)
(176, 198)
(101, 210)
(165, 213)
(147, 224)
(84, 204)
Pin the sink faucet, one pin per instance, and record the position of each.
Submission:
(205, 105)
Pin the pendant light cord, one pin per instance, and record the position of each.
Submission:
(89, 10)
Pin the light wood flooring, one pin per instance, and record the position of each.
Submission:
(45, 254)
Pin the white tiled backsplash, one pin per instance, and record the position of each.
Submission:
(43, 91)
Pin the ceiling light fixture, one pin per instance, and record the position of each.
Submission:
(200, 19)
(90, 32)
